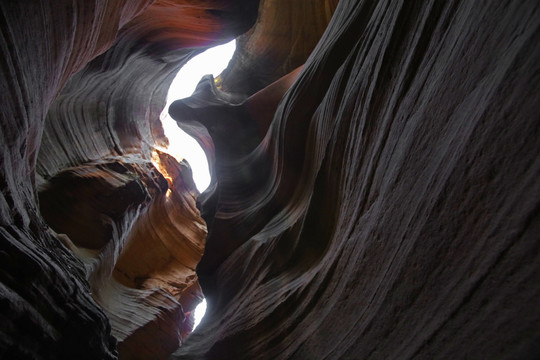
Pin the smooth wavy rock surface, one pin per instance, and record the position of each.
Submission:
(391, 209)
(140, 237)
(375, 188)
(47, 311)
(283, 37)
(82, 84)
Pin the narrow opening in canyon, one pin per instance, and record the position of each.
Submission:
(182, 146)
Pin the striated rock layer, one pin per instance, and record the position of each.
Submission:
(284, 35)
(140, 238)
(374, 191)
(146, 249)
(391, 209)
(47, 311)
(117, 263)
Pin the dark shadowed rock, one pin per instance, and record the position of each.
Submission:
(374, 191)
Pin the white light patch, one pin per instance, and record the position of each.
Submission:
(181, 145)
(200, 310)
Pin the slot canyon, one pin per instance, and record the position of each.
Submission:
(375, 180)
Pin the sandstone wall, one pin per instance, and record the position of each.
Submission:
(391, 209)
(374, 191)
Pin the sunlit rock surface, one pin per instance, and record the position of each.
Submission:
(140, 237)
(375, 187)
(83, 83)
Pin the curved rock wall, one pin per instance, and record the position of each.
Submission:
(391, 210)
(47, 311)
(380, 202)
(95, 176)
(140, 237)
(283, 37)
(112, 106)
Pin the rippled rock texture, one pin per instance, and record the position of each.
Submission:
(100, 231)
(140, 238)
(391, 209)
(375, 188)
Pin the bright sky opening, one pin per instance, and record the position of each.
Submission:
(181, 145)
(200, 310)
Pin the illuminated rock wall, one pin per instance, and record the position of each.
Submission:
(374, 194)
(140, 238)
(92, 115)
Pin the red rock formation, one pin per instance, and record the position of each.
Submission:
(386, 207)
(95, 150)
(140, 238)
(159, 260)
